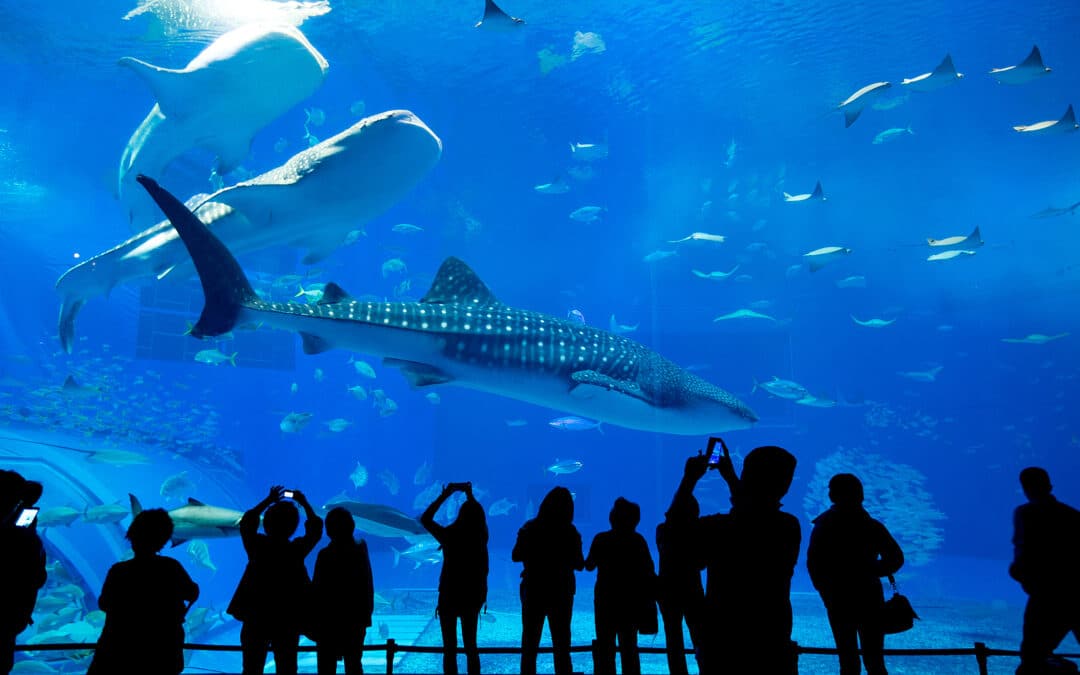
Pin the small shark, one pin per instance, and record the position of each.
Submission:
(218, 102)
(1052, 212)
(1065, 124)
(1024, 72)
(942, 76)
(1035, 339)
(459, 333)
(196, 520)
(314, 200)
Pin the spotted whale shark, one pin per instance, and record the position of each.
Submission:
(352, 176)
(459, 333)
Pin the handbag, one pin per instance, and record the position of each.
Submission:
(897, 614)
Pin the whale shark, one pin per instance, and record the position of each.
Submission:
(313, 201)
(218, 102)
(460, 333)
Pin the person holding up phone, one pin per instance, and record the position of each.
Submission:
(271, 599)
(22, 561)
(463, 580)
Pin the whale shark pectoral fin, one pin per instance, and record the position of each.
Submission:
(589, 383)
(455, 282)
(313, 344)
(69, 309)
(171, 88)
(850, 116)
(419, 374)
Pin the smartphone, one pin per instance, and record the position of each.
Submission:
(26, 517)
(715, 451)
(288, 494)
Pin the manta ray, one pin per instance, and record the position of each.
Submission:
(942, 76)
(218, 102)
(311, 201)
(460, 333)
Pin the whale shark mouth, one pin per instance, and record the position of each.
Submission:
(460, 333)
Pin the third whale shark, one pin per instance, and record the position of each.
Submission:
(459, 333)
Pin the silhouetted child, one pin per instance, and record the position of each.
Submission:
(680, 592)
(848, 555)
(144, 600)
(272, 597)
(343, 596)
(625, 592)
(1046, 561)
(22, 562)
(463, 581)
(550, 547)
(750, 554)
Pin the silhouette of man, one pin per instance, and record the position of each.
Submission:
(271, 599)
(550, 547)
(145, 600)
(22, 563)
(680, 591)
(463, 580)
(625, 592)
(1046, 562)
(343, 596)
(849, 552)
(750, 554)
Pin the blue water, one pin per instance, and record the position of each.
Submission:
(676, 86)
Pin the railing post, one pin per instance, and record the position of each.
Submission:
(982, 658)
(391, 647)
(595, 654)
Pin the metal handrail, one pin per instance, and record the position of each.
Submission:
(980, 651)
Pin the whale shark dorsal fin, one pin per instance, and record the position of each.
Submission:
(170, 87)
(194, 502)
(946, 66)
(1034, 59)
(333, 294)
(455, 283)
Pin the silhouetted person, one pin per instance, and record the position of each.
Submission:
(550, 547)
(849, 553)
(680, 592)
(343, 596)
(625, 594)
(271, 599)
(750, 554)
(22, 562)
(463, 580)
(1046, 562)
(145, 600)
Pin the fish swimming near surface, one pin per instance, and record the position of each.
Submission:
(1035, 339)
(218, 102)
(559, 186)
(196, 520)
(892, 134)
(587, 214)
(312, 201)
(949, 255)
(715, 276)
(854, 281)
(564, 466)
(589, 152)
(459, 333)
(853, 105)
(1066, 124)
(818, 194)
(496, 19)
(743, 314)
(922, 375)
(215, 357)
(938, 78)
(658, 255)
(699, 236)
(972, 240)
(1027, 70)
(874, 323)
(295, 422)
(574, 423)
(786, 389)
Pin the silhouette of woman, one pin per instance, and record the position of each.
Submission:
(343, 596)
(625, 594)
(550, 547)
(144, 600)
(463, 581)
(680, 591)
(849, 552)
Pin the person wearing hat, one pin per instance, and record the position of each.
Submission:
(22, 563)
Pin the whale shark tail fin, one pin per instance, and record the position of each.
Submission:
(224, 284)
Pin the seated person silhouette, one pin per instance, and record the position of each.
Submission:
(848, 555)
(272, 597)
(1046, 562)
(463, 580)
(145, 600)
(625, 594)
(549, 546)
(343, 596)
(22, 562)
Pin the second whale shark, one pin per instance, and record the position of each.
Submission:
(459, 333)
